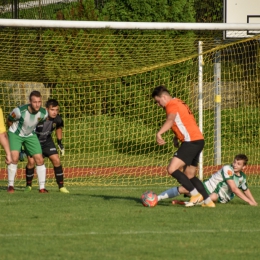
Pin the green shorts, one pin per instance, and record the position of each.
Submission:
(30, 143)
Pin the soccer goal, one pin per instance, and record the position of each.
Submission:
(103, 73)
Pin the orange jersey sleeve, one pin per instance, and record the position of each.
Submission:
(185, 127)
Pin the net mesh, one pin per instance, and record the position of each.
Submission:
(103, 81)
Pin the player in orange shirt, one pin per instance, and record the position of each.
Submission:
(180, 119)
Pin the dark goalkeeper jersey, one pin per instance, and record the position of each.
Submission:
(44, 130)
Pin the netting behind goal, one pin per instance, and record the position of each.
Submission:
(103, 81)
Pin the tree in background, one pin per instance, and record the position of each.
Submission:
(130, 11)
(148, 11)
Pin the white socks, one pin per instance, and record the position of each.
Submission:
(194, 192)
(208, 200)
(41, 172)
(11, 169)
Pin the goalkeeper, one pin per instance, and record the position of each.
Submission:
(222, 186)
(44, 131)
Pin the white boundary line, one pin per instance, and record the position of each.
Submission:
(131, 233)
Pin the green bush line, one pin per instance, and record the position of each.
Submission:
(104, 140)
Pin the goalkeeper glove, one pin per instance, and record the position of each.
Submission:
(61, 147)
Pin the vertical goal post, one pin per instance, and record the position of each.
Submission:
(201, 85)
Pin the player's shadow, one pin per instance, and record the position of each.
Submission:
(136, 148)
(109, 197)
(137, 200)
(165, 203)
(17, 188)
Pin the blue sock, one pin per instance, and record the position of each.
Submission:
(171, 193)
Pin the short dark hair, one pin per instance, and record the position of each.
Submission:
(158, 91)
(35, 93)
(242, 157)
(52, 102)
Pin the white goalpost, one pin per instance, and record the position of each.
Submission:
(127, 25)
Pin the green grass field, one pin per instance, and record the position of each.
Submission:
(111, 223)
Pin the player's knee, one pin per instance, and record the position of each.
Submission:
(182, 190)
(15, 157)
(214, 197)
(39, 161)
(30, 165)
(190, 171)
(171, 169)
(15, 161)
(56, 161)
(30, 162)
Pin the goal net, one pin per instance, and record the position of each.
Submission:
(103, 80)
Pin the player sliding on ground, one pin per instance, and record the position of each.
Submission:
(44, 131)
(222, 186)
(180, 119)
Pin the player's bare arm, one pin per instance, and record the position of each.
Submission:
(250, 196)
(59, 133)
(239, 193)
(166, 126)
(5, 143)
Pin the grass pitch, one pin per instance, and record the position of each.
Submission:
(111, 223)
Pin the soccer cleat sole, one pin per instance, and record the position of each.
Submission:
(64, 190)
(209, 205)
(28, 189)
(43, 191)
(194, 200)
(10, 189)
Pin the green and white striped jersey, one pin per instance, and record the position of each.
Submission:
(217, 183)
(24, 122)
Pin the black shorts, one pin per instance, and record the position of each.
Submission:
(48, 148)
(189, 152)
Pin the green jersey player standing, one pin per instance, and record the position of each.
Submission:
(223, 185)
(22, 122)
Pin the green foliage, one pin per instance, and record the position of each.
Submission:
(148, 11)
(128, 97)
(56, 56)
(47, 12)
(114, 135)
(248, 132)
(130, 10)
(239, 133)
(82, 10)
(209, 11)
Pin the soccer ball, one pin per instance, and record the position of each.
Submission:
(149, 199)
